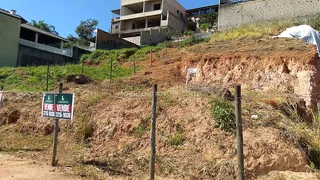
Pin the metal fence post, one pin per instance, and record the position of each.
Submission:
(82, 71)
(134, 65)
(239, 134)
(47, 78)
(110, 69)
(150, 57)
(56, 133)
(153, 131)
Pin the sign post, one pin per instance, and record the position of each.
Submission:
(57, 106)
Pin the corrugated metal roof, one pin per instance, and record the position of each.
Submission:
(26, 26)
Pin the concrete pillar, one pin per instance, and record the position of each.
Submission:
(146, 23)
(37, 38)
(61, 45)
(144, 6)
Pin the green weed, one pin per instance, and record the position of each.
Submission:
(223, 113)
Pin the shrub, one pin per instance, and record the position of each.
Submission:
(97, 54)
(188, 33)
(84, 57)
(223, 113)
(176, 140)
(204, 27)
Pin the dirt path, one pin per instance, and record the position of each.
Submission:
(12, 168)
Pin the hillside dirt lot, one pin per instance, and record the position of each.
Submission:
(109, 136)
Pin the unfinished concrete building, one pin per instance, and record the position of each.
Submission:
(146, 22)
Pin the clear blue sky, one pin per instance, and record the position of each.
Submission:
(66, 15)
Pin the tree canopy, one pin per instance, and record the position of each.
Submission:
(85, 31)
(44, 26)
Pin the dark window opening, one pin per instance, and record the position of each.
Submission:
(154, 23)
(157, 6)
(133, 25)
(204, 11)
(164, 17)
(178, 11)
(195, 13)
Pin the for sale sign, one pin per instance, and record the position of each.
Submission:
(59, 106)
(64, 106)
(48, 109)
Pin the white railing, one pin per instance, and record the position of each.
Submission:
(64, 52)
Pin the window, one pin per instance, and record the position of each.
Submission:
(195, 13)
(164, 17)
(117, 27)
(156, 6)
(204, 11)
(178, 11)
(213, 10)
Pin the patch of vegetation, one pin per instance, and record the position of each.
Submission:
(141, 129)
(204, 27)
(315, 22)
(88, 172)
(177, 139)
(33, 78)
(305, 135)
(122, 55)
(255, 31)
(264, 29)
(223, 113)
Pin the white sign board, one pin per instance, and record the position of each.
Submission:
(190, 71)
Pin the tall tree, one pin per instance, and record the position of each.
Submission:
(44, 26)
(85, 31)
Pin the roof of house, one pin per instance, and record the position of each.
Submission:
(26, 26)
(204, 7)
(2, 11)
(116, 11)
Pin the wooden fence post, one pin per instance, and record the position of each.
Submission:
(239, 134)
(110, 69)
(153, 131)
(150, 57)
(134, 65)
(56, 133)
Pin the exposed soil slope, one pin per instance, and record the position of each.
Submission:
(112, 119)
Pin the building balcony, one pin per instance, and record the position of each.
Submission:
(116, 19)
(64, 52)
(141, 15)
(142, 29)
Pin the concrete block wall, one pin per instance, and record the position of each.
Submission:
(153, 37)
(235, 15)
(135, 40)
